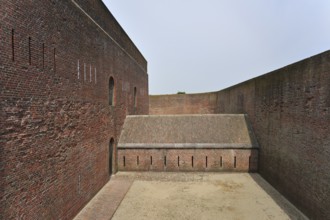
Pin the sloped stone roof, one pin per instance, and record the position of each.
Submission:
(187, 131)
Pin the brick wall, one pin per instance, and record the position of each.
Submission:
(289, 110)
(56, 122)
(204, 103)
(167, 159)
(99, 12)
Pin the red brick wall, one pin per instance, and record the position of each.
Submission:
(188, 160)
(289, 110)
(204, 103)
(99, 12)
(56, 122)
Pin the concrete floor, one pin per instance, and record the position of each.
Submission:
(188, 196)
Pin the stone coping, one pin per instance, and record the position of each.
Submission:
(187, 145)
(185, 115)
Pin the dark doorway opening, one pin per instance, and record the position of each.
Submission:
(111, 143)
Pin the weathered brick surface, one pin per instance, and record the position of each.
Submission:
(99, 12)
(212, 160)
(289, 110)
(204, 103)
(56, 123)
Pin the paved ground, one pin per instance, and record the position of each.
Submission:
(188, 196)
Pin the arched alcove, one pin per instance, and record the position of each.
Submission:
(111, 91)
(135, 97)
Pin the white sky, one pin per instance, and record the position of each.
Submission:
(207, 45)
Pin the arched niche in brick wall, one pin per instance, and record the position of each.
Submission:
(135, 97)
(111, 91)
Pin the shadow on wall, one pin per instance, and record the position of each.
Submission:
(285, 205)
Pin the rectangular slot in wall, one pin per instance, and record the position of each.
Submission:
(165, 161)
(13, 44)
(43, 55)
(54, 59)
(29, 50)
(95, 75)
(192, 161)
(124, 161)
(150, 160)
(90, 72)
(137, 160)
(206, 161)
(84, 71)
(178, 161)
(249, 162)
(235, 162)
(78, 70)
(220, 161)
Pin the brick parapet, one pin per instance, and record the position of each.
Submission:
(103, 17)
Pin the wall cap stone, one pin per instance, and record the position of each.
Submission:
(187, 145)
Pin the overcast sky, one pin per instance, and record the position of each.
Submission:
(207, 45)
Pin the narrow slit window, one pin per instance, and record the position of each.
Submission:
(206, 161)
(54, 59)
(165, 161)
(90, 73)
(78, 70)
(178, 161)
(29, 50)
(43, 55)
(84, 71)
(192, 161)
(124, 161)
(235, 162)
(220, 161)
(95, 75)
(137, 160)
(150, 160)
(13, 44)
